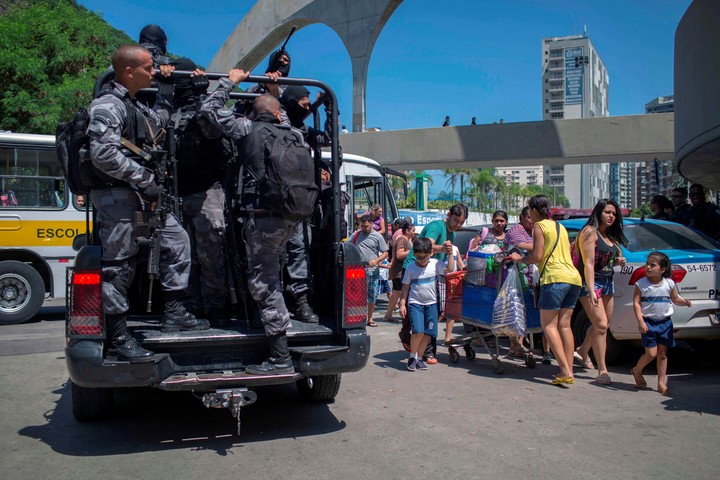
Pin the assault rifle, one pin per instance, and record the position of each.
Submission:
(276, 63)
(235, 259)
(161, 161)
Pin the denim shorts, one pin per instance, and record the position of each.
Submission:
(605, 284)
(659, 332)
(555, 296)
(373, 283)
(423, 318)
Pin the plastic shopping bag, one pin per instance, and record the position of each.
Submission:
(509, 308)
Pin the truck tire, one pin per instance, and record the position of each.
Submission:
(580, 325)
(324, 388)
(92, 403)
(22, 292)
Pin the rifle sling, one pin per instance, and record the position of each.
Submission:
(135, 149)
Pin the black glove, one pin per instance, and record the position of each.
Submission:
(151, 193)
(199, 83)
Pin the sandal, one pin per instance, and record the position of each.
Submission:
(388, 319)
(664, 391)
(603, 379)
(586, 363)
(430, 360)
(639, 379)
(558, 380)
(372, 323)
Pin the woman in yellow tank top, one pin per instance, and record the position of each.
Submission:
(560, 284)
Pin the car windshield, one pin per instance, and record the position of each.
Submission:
(653, 236)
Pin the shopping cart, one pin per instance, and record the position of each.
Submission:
(477, 300)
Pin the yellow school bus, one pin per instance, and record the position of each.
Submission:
(39, 218)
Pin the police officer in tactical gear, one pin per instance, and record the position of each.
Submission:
(296, 103)
(278, 66)
(202, 163)
(265, 233)
(154, 40)
(121, 182)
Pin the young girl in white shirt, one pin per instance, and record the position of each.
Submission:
(653, 302)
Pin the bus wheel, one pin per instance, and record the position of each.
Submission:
(22, 292)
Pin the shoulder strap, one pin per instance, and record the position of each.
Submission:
(484, 233)
(557, 231)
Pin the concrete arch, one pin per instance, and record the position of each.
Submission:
(358, 23)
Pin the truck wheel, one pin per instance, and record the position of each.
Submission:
(580, 326)
(91, 403)
(324, 388)
(22, 292)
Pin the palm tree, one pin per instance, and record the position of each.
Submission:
(454, 174)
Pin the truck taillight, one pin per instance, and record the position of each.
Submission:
(678, 274)
(85, 313)
(355, 295)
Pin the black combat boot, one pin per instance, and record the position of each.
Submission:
(176, 318)
(121, 346)
(303, 312)
(218, 318)
(279, 362)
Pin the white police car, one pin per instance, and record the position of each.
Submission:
(695, 261)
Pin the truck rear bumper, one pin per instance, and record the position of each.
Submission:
(87, 368)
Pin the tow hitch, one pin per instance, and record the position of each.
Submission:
(232, 398)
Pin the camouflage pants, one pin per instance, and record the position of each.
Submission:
(298, 264)
(266, 240)
(116, 209)
(204, 220)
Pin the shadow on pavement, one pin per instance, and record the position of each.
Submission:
(154, 420)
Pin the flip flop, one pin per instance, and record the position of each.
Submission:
(603, 379)
(584, 362)
(639, 379)
(558, 380)
(664, 391)
(372, 323)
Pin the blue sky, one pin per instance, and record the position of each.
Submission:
(461, 58)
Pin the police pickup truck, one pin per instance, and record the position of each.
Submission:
(211, 363)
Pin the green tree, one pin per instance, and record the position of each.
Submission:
(453, 177)
(50, 54)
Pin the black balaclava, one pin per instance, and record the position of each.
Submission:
(185, 89)
(284, 69)
(154, 35)
(289, 99)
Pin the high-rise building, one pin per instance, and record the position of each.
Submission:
(623, 184)
(657, 177)
(521, 176)
(575, 84)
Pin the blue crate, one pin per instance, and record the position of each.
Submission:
(477, 306)
(477, 303)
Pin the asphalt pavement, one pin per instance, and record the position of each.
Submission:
(454, 421)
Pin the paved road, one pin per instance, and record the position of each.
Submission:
(452, 421)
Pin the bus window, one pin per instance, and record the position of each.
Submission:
(31, 178)
(79, 202)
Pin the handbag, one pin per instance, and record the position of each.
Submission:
(536, 288)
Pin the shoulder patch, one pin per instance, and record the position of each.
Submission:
(224, 112)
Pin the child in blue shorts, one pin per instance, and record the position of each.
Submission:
(418, 298)
(653, 302)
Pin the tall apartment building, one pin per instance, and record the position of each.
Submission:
(575, 84)
(657, 177)
(522, 176)
(623, 184)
